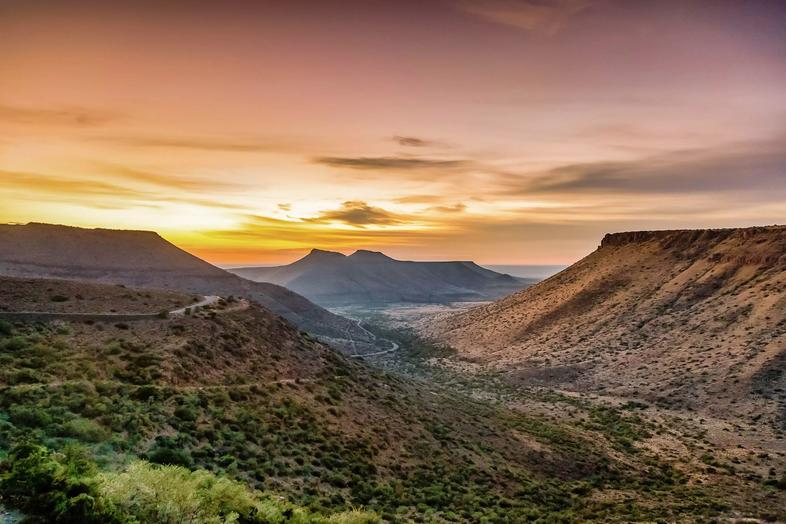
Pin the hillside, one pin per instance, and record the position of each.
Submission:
(241, 393)
(66, 296)
(144, 259)
(373, 278)
(683, 319)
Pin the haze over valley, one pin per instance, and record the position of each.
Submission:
(368, 277)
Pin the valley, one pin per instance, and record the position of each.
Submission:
(401, 422)
(243, 394)
(375, 262)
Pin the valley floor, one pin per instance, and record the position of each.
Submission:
(740, 459)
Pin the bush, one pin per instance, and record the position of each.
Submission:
(65, 488)
(170, 456)
(16, 343)
(35, 482)
(29, 416)
(58, 298)
(6, 328)
(171, 495)
(186, 413)
(85, 429)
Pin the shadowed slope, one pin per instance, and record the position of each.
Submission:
(372, 277)
(143, 258)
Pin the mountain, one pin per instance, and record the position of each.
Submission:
(684, 319)
(372, 277)
(237, 391)
(144, 259)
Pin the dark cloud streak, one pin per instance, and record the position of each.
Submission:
(196, 143)
(413, 141)
(389, 163)
(66, 116)
(536, 16)
(742, 167)
(359, 214)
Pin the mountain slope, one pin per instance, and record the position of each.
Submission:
(371, 277)
(143, 258)
(240, 392)
(690, 319)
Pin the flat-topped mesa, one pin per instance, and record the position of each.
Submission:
(689, 235)
(752, 245)
(61, 229)
(145, 259)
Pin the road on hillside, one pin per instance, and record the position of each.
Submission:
(206, 301)
(209, 300)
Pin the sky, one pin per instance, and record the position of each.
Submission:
(500, 131)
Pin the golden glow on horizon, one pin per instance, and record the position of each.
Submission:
(513, 137)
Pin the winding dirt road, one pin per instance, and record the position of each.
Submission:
(393, 345)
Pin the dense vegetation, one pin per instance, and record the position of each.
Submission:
(68, 488)
(210, 399)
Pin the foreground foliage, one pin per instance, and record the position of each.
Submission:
(205, 394)
(67, 488)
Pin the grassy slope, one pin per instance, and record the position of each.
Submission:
(247, 395)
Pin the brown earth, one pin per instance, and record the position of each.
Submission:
(687, 320)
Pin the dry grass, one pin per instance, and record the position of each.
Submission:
(688, 320)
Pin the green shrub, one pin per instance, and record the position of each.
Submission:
(186, 413)
(34, 481)
(65, 489)
(170, 456)
(17, 343)
(29, 416)
(6, 328)
(85, 430)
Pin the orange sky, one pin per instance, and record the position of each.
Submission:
(502, 131)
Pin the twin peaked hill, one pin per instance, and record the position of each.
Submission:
(370, 277)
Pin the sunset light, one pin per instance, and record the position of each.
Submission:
(255, 133)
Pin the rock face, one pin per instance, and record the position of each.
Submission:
(373, 278)
(144, 259)
(693, 319)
